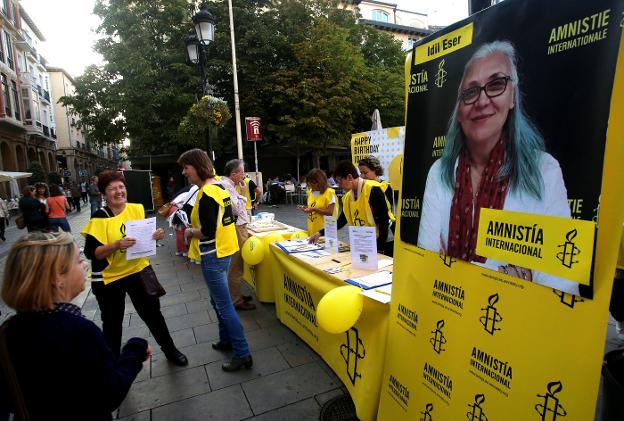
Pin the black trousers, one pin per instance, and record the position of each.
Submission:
(616, 307)
(112, 301)
(77, 203)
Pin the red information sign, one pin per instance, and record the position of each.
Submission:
(254, 130)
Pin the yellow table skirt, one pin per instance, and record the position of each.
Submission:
(356, 356)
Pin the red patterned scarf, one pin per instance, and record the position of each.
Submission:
(462, 237)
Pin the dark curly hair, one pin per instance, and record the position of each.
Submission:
(107, 177)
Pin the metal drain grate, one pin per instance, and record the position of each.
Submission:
(339, 408)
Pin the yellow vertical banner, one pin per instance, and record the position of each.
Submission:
(477, 334)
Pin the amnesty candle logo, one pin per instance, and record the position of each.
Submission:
(476, 412)
(426, 415)
(447, 260)
(550, 407)
(570, 251)
(491, 317)
(438, 339)
(440, 75)
(352, 352)
(357, 221)
(567, 299)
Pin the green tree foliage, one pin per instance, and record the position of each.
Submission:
(145, 87)
(54, 178)
(38, 174)
(306, 67)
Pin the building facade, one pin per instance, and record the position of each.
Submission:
(77, 158)
(405, 26)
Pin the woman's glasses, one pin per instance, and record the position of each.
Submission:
(492, 89)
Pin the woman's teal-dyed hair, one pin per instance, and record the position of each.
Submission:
(523, 141)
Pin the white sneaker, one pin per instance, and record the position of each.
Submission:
(179, 253)
(619, 327)
(184, 254)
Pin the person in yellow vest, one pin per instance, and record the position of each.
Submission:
(363, 204)
(114, 276)
(616, 307)
(233, 175)
(212, 238)
(371, 169)
(252, 193)
(321, 200)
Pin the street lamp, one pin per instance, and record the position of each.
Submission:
(196, 46)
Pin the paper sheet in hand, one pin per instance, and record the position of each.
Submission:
(372, 280)
(141, 230)
(297, 246)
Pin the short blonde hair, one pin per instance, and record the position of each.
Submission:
(35, 261)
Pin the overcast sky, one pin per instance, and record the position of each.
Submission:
(68, 26)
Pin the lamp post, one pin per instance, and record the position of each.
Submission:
(196, 46)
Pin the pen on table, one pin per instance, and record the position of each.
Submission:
(382, 292)
(334, 260)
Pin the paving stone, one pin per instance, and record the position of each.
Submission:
(297, 353)
(134, 331)
(141, 416)
(200, 305)
(223, 405)
(306, 410)
(266, 338)
(322, 398)
(165, 389)
(286, 387)
(188, 320)
(267, 361)
(185, 297)
(181, 338)
(197, 355)
(206, 333)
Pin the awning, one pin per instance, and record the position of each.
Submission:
(9, 175)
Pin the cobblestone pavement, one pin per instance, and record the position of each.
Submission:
(288, 381)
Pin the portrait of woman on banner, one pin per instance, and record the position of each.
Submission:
(494, 157)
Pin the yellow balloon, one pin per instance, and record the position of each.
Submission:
(253, 251)
(273, 238)
(395, 172)
(339, 309)
(299, 235)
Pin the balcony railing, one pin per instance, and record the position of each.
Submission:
(39, 89)
(52, 133)
(46, 130)
(46, 95)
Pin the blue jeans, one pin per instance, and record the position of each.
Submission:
(230, 328)
(56, 223)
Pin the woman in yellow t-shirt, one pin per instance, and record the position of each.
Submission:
(213, 240)
(114, 276)
(321, 200)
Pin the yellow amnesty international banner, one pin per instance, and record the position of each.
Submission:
(446, 44)
(557, 246)
(356, 356)
(470, 338)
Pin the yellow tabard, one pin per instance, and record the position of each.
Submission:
(226, 240)
(322, 201)
(358, 212)
(109, 230)
(246, 193)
